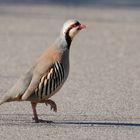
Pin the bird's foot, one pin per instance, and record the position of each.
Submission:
(36, 120)
(41, 121)
(52, 104)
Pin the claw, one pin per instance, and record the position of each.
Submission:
(41, 121)
(52, 104)
(36, 120)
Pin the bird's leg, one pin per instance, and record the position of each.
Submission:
(52, 104)
(35, 112)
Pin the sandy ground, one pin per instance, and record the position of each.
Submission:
(101, 98)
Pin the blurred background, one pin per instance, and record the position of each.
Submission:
(118, 3)
(104, 80)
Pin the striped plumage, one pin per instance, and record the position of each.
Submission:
(48, 73)
(50, 82)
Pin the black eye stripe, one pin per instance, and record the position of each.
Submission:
(68, 38)
(77, 23)
(74, 25)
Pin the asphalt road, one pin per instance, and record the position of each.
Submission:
(101, 98)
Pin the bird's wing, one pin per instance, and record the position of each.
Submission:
(40, 69)
(50, 81)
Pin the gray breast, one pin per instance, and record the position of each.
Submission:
(50, 83)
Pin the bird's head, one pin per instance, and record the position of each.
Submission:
(71, 28)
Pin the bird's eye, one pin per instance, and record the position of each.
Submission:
(74, 25)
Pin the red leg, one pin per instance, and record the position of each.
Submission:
(35, 112)
(52, 104)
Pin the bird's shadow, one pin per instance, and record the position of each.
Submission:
(23, 120)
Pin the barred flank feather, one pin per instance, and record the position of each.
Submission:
(51, 81)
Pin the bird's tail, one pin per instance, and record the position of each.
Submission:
(5, 99)
(2, 102)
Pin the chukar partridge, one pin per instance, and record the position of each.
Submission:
(48, 73)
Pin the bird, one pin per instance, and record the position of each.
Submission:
(48, 73)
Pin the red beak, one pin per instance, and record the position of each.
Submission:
(82, 26)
